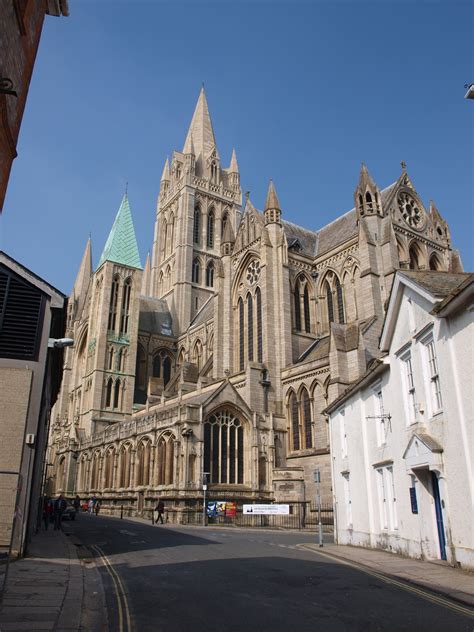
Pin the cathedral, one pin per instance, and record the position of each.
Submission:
(213, 362)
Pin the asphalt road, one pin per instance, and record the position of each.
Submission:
(209, 579)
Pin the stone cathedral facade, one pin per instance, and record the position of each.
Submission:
(220, 354)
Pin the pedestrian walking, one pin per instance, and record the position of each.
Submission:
(97, 507)
(60, 505)
(47, 511)
(158, 512)
(90, 505)
(76, 503)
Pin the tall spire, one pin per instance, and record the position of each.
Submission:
(83, 277)
(165, 176)
(272, 206)
(121, 246)
(234, 167)
(145, 291)
(200, 131)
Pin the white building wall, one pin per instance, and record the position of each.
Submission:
(411, 534)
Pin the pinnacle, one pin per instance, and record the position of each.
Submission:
(166, 171)
(121, 245)
(200, 135)
(272, 198)
(234, 167)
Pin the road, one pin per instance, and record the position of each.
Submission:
(209, 579)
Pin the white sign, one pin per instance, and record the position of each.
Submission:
(267, 510)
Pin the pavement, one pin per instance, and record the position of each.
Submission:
(53, 588)
(58, 586)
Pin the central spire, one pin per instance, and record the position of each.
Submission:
(200, 133)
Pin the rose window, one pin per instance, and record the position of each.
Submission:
(411, 212)
(253, 272)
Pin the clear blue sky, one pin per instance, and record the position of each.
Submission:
(304, 90)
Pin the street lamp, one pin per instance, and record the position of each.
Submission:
(59, 343)
(204, 489)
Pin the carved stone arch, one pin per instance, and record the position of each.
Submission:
(417, 255)
(241, 270)
(165, 458)
(226, 454)
(435, 262)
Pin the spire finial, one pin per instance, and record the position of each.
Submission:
(403, 165)
(247, 195)
(126, 188)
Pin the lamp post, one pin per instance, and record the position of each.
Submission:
(317, 480)
(204, 490)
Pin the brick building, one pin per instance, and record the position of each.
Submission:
(21, 23)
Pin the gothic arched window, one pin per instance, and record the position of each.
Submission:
(435, 263)
(165, 460)
(307, 421)
(224, 448)
(210, 228)
(196, 271)
(125, 315)
(116, 394)
(258, 297)
(307, 321)
(225, 219)
(109, 469)
(340, 304)
(210, 274)
(295, 427)
(197, 225)
(162, 364)
(113, 303)
(250, 325)
(368, 199)
(415, 257)
(241, 335)
(213, 171)
(329, 302)
(108, 393)
(124, 465)
(197, 354)
(296, 297)
(143, 463)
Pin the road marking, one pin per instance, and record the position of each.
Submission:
(125, 532)
(424, 594)
(122, 602)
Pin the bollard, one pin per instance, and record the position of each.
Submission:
(121, 511)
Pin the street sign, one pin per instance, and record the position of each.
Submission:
(267, 510)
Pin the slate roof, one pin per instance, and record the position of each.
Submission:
(439, 284)
(316, 243)
(205, 313)
(318, 350)
(121, 245)
(155, 317)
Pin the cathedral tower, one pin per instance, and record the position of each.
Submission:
(197, 199)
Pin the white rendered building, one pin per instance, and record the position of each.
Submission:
(401, 436)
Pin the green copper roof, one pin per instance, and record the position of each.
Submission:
(121, 246)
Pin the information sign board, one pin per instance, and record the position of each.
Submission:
(267, 510)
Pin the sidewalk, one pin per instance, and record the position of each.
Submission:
(436, 576)
(45, 591)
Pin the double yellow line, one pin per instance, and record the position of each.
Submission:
(125, 621)
(424, 594)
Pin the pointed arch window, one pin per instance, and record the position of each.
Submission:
(197, 354)
(117, 394)
(213, 171)
(414, 255)
(435, 263)
(165, 461)
(108, 393)
(196, 271)
(329, 302)
(368, 199)
(250, 325)
(258, 298)
(210, 274)
(307, 421)
(307, 322)
(340, 304)
(296, 297)
(162, 365)
(241, 335)
(197, 224)
(143, 469)
(225, 219)
(295, 428)
(109, 469)
(224, 448)
(111, 358)
(210, 228)
(125, 458)
(125, 315)
(113, 303)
